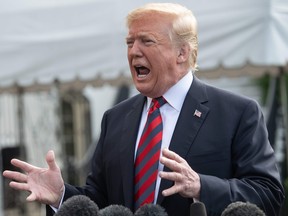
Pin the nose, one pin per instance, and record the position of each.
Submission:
(134, 50)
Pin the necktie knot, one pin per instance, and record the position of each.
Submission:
(157, 103)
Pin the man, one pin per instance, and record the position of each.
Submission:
(215, 147)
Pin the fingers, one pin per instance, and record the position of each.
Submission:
(172, 190)
(19, 180)
(26, 167)
(19, 186)
(172, 155)
(186, 180)
(23, 187)
(17, 176)
(172, 176)
(175, 163)
(172, 160)
(50, 159)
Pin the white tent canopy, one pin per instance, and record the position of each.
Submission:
(67, 40)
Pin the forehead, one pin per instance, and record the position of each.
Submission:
(151, 23)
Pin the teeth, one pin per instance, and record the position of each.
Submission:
(141, 75)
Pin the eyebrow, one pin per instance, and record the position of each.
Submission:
(140, 35)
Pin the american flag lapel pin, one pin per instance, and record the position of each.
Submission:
(197, 113)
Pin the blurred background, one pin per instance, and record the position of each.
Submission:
(63, 63)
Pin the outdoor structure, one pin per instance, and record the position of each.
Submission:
(63, 63)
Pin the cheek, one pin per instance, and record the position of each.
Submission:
(169, 75)
(167, 66)
(129, 58)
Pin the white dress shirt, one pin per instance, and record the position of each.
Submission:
(169, 112)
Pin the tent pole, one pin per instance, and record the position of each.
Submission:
(21, 138)
(20, 114)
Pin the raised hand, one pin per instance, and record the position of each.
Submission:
(45, 184)
(186, 180)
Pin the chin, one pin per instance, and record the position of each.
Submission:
(144, 92)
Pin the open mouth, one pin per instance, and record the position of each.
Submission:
(141, 71)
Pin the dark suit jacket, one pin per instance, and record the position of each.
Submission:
(227, 145)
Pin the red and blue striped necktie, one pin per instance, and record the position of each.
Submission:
(147, 156)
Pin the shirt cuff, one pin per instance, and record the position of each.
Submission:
(56, 209)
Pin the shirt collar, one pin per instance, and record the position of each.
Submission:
(175, 96)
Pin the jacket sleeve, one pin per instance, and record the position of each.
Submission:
(95, 186)
(255, 177)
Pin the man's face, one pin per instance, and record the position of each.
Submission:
(152, 56)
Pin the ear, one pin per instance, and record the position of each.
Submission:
(183, 53)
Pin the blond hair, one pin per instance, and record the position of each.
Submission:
(184, 25)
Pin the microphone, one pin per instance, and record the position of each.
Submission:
(78, 205)
(115, 210)
(198, 209)
(242, 209)
(151, 210)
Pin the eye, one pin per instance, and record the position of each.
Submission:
(148, 41)
(130, 43)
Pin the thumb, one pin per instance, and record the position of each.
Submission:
(50, 159)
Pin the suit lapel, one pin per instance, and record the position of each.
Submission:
(129, 135)
(192, 116)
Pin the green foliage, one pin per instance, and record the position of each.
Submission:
(263, 83)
